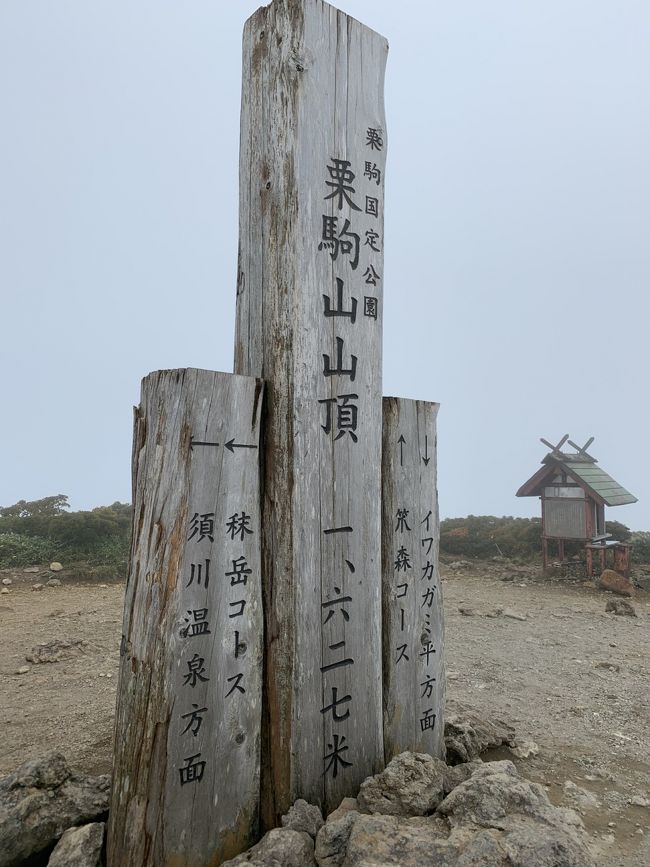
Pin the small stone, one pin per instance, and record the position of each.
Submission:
(514, 615)
(53, 582)
(466, 611)
(639, 801)
(24, 669)
(32, 570)
(56, 567)
(37, 587)
(4, 590)
(610, 666)
(7, 582)
(620, 607)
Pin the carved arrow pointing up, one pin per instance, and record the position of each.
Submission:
(231, 445)
(426, 457)
(401, 442)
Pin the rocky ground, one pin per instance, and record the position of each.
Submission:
(543, 655)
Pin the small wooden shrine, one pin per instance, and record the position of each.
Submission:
(574, 491)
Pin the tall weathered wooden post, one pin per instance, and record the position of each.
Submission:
(309, 321)
(187, 736)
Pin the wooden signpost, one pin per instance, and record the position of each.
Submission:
(309, 322)
(256, 668)
(413, 619)
(187, 739)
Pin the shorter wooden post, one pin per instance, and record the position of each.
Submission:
(187, 734)
(413, 617)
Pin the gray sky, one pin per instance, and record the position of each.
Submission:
(517, 258)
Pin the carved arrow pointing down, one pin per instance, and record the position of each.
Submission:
(426, 457)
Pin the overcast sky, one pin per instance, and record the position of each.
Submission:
(517, 260)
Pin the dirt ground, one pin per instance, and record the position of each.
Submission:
(569, 677)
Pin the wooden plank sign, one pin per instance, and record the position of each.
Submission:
(187, 741)
(309, 321)
(413, 618)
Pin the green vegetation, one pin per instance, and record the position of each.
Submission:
(40, 531)
(486, 536)
(483, 536)
(96, 544)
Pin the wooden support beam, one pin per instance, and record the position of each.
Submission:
(413, 617)
(187, 736)
(309, 320)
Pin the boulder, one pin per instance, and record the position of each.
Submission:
(533, 832)
(621, 607)
(615, 583)
(454, 775)
(304, 817)
(56, 567)
(281, 847)
(467, 736)
(411, 785)
(382, 840)
(492, 818)
(333, 837)
(41, 800)
(53, 582)
(79, 847)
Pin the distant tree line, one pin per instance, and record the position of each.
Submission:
(34, 533)
(44, 530)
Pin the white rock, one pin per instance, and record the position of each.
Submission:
(23, 669)
(32, 570)
(7, 582)
(525, 749)
(638, 801)
(37, 587)
(514, 615)
(56, 567)
(4, 590)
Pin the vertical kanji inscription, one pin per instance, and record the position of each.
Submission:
(309, 321)
(413, 619)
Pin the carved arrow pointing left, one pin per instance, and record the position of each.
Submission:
(194, 442)
(231, 445)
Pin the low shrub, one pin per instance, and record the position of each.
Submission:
(17, 550)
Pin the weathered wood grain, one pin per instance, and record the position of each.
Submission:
(312, 115)
(191, 628)
(413, 617)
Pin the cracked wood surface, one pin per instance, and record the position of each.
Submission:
(178, 653)
(413, 616)
(312, 89)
